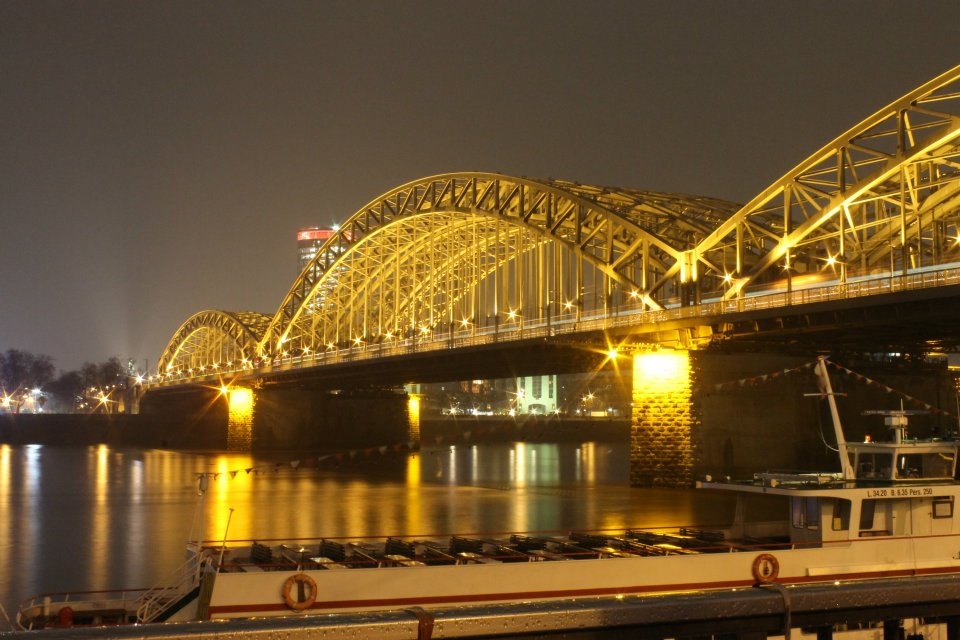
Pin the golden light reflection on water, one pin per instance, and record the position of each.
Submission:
(7, 522)
(414, 508)
(229, 484)
(120, 517)
(98, 459)
(587, 462)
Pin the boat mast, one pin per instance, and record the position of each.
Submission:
(826, 389)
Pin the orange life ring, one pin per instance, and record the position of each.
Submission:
(291, 597)
(765, 568)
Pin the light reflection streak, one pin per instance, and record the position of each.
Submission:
(474, 464)
(135, 521)
(100, 547)
(31, 519)
(226, 487)
(587, 463)
(452, 465)
(413, 512)
(6, 528)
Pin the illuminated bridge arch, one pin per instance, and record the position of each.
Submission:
(212, 339)
(882, 198)
(459, 251)
(461, 254)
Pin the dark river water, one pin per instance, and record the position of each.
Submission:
(101, 518)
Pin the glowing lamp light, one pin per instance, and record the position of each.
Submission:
(241, 400)
(669, 367)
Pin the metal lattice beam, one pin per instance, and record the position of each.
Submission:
(489, 249)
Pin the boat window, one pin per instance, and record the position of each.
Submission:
(874, 465)
(806, 513)
(867, 510)
(841, 515)
(943, 507)
(925, 465)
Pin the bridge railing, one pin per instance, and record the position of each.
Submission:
(610, 318)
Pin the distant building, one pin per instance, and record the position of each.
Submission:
(536, 395)
(309, 242)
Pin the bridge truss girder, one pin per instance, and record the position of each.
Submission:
(486, 248)
(880, 198)
(475, 249)
(213, 338)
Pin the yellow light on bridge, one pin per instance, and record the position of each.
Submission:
(239, 417)
(663, 369)
(241, 399)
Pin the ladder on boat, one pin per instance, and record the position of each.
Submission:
(155, 602)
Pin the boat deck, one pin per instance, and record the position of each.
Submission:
(461, 550)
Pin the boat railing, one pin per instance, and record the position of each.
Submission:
(47, 606)
(155, 601)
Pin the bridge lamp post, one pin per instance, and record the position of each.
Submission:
(788, 272)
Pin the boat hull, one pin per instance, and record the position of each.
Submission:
(268, 593)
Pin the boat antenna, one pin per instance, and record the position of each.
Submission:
(203, 483)
(826, 389)
(223, 546)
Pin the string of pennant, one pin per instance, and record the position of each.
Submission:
(767, 377)
(753, 381)
(906, 397)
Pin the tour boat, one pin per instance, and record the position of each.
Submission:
(889, 511)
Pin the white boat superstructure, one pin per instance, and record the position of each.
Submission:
(890, 511)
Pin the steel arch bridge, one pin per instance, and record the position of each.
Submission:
(468, 254)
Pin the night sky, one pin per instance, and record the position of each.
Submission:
(157, 158)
